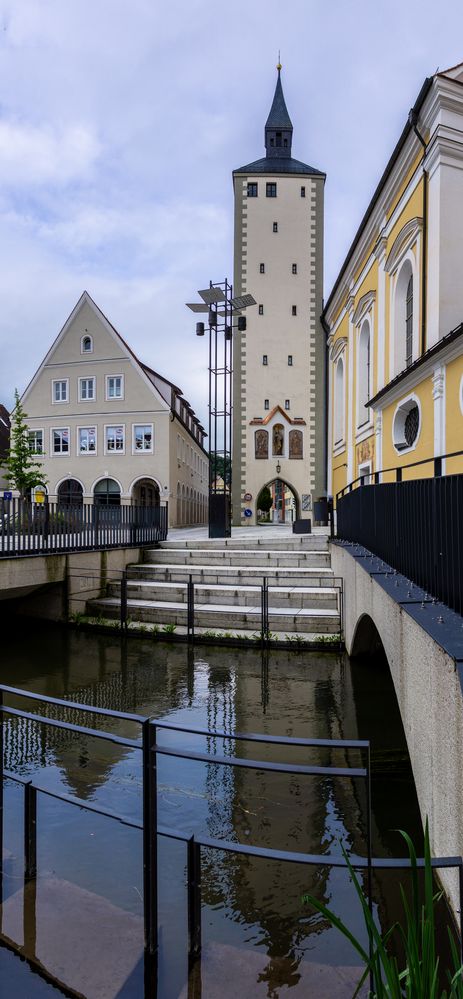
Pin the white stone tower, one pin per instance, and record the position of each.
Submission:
(279, 364)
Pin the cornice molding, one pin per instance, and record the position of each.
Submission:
(337, 348)
(403, 242)
(365, 305)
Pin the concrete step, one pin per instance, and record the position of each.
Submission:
(296, 542)
(293, 597)
(230, 575)
(220, 616)
(238, 557)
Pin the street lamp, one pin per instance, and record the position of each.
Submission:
(222, 309)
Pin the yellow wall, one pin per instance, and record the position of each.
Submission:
(454, 415)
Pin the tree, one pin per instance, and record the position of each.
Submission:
(23, 471)
(264, 500)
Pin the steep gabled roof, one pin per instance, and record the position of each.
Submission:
(278, 115)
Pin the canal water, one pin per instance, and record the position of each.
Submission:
(259, 938)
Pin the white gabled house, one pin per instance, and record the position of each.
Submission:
(110, 429)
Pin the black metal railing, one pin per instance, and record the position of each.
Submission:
(150, 748)
(413, 524)
(39, 529)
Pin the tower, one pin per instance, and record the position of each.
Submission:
(279, 365)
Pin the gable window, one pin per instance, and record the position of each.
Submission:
(302, 192)
(261, 310)
(275, 226)
(271, 190)
(294, 268)
(86, 344)
(262, 268)
(266, 404)
(294, 310)
(60, 441)
(287, 404)
(264, 359)
(115, 438)
(252, 190)
(60, 390)
(290, 360)
(114, 387)
(35, 441)
(143, 437)
(86, 440)
(86, 389)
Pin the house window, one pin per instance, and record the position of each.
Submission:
(406, 425)
(294, 310)
(86, 389)
(60, 441)
(290, 360)
(252, 190)
(339, 402)
(363, 375)
(143, 437)
(262, 268)
(287, 404)
(264, 359)
(302, 192)
(86, 440)
(60, 390)
(271, 190)
(294, 268)
(266, 404)
(114, 438)
(114, 387)
(261, 310)
(409, 323)
(86, 345)
(275, 226)
(35, 440)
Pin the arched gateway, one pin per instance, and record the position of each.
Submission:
(277, 503)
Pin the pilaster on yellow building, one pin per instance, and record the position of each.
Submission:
(394, 318)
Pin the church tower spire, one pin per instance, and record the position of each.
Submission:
(278, 127)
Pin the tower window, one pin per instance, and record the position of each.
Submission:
(264, 359)
(271, 190)
(262, 268)
(278, 139)
(285, 143)
(290, 360)
(275, 226)
(294, 310)
(287, 404)
(252, 190)
(266, 404)
(302, 192)
(261, 310)
(294, 268)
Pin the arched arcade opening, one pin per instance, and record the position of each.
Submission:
(277, 503)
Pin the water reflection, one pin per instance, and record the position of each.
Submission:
(253, 918)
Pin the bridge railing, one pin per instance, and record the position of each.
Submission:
(38, 529)
(151, 748)
(413, 524)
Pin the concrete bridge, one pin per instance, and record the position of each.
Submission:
(423, 642)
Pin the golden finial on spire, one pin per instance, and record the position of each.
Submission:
(279, 66)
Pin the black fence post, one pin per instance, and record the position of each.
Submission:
(96, 525)
(264, 611)
(437, 467)
(191, 609)
(30, 831)
(1, 808)
(398, 475)
(194, 899)
(369, 861)
(124, 600)
(150, 839)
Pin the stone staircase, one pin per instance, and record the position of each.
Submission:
(303, 595)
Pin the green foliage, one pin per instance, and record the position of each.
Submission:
(264, 500)
(169, 629)
(419, 976)
(23, 471)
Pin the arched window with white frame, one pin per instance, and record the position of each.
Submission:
(339, 394)
(404, 319)
(363, 374)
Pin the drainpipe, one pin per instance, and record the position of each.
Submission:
(413, 121)
(326, 330)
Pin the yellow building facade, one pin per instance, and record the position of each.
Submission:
(394, 318)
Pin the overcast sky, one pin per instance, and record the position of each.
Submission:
(120, 124)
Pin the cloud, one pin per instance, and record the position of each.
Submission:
(31, 155)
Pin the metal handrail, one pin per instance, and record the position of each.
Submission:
(394, 468)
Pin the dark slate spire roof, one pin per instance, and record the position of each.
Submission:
(279, 117)
(278, 142)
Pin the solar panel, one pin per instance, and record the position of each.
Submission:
(212, 295)
(243, 301)
(197, 307)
